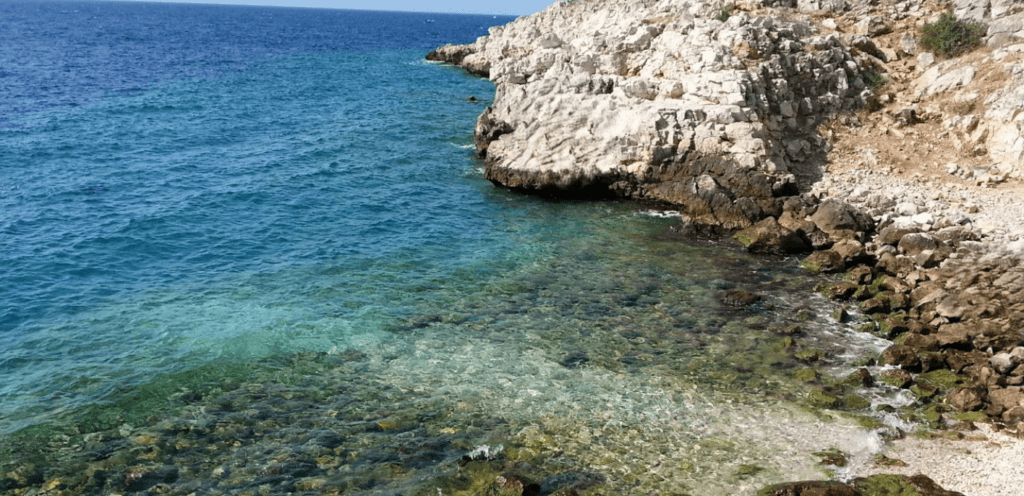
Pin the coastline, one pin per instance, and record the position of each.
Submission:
(909, 188)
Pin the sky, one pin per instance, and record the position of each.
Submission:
(507, 7)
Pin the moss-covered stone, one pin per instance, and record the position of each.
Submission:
(855, 402)
(833, 456)
(932, 414)
(810, 355)
(858, 378)
(841, 315)
(811, 265)
(969, 416)
(749, 470)
(806, 375)
(820, 399)
(869, 423)
(942, 379)
(896, 377)
(923, 391)
(786, 343)
(892, 325)
(886, 485)
(881, 460)
(868, 328)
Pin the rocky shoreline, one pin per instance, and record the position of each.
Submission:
(816, 128)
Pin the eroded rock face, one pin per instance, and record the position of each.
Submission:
(659, 100)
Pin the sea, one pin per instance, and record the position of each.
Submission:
(250, 250)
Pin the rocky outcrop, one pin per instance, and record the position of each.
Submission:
(662, 100)
(717, 112)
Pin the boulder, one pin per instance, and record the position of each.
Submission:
(1004, 362)
(873, 26)
(897, 377)
(767, 236)
(921, 342)
(841, 220)
(827, 261)
(904, 356)
(913, 244)
(892, 234)
(953, 336)
(897, 265)
(851, 250)
(966, 399)
(1001, 399)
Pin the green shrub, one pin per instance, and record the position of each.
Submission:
(950, 36)
(874, 80)
(725, 13)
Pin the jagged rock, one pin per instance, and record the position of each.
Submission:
(903, 356)
(1006, 30)
(875, 305)
(897, 377)
(1003, 399)
(950, 308)
(944, 77)
(841, 220)
(1014, 415)
(908, 44)
(851, 250)
(866, 45)
(859, 378)
(914, 243)
(954, 235)
(953, 336)
(841, 290)
(958, 360)
(826, 261)
(767, 236)
(821, 5)
(488, 130)
(600, 99)
(873, 26)
(897, 265)
(921, 342)
(1004, 362)
(462, 55)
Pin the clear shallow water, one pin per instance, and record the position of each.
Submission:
(177, 180)
(239, 228)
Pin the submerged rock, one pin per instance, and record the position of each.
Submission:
(876, 485)
(739, 298)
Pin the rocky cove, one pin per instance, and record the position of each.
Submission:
(832, 313)
(803, 127)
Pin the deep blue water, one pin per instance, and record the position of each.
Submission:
(177, 182)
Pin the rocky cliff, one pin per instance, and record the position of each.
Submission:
(712, 106)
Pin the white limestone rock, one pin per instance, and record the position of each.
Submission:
(631, 95)
(946, 76)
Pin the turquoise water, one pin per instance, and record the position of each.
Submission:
(197, 211)
(245, 242)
